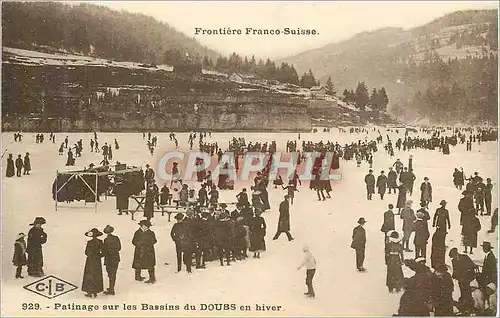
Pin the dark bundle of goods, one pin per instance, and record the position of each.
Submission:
(129, 183)
(74, 186)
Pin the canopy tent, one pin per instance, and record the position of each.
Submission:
(88, 183)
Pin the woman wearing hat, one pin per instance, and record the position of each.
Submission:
(19, 259)
(92, 274)
(394, 261)
(36, 237)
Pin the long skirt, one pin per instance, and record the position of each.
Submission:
(257, 242)
(92, 276)
(395, 278)
(35, 262)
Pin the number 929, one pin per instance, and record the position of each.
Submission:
(30, 306)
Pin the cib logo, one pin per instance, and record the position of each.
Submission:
(50, 287)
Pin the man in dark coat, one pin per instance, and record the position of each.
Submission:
(144, 254)
(178, 235)
(487, 195)
(149, 202)
(19, 165)
(466, 206)
(27, 165)
(442, 217)
(442, 290)
(284, 219)
(111, 252)
(392, 180)
(359, 243)
(464, 273)
(381, 184)
(36, 237)
(388, 224)
(370, 184)
(421, 236)
(489, 270)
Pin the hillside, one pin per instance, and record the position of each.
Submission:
(408, 61)
(88, 29)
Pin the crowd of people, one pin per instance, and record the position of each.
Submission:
(208, 231)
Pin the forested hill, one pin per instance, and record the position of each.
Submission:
(96, 30)
(446, 70)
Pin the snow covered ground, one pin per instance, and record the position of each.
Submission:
(272, 280)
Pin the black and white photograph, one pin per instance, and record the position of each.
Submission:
(238, 158)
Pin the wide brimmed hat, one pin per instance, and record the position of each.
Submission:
(145, 222)
(179, 216)
(422, 204)
(21, 235)
(487, 245)
(426, 179)
(492, 287)
(443, 202)
(93, 233)
(361, 221)
(108, 229)
(39, 220)
(474, 284)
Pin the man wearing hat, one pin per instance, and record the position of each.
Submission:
(144, 254)
(359, 243)
(149, 174)
(392, 177)
(284, 219)
(36, 237)
(426, 189)
(92, 274)
(489, 271)
(111, 253)
(181, 237)
(370, 184)
(466, 206)
(381, 184)
(408, 217)
(442, 217)
(421, 236)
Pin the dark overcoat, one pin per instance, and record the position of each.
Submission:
(381, 184)
(358, 238)
(111, 250)
(36, 237)
(284, 218)
(19, 258)
(144, 254)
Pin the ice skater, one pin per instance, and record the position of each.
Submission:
(309, 263)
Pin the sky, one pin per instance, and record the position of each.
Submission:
(334, 21)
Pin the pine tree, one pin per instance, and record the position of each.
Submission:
(330, 88)
(361, 96)
(375, 100)
(383, 100)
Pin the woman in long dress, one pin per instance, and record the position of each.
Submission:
(394, 261)
(10, 167)
(257, 233)
(438, 249)
(92, 274)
